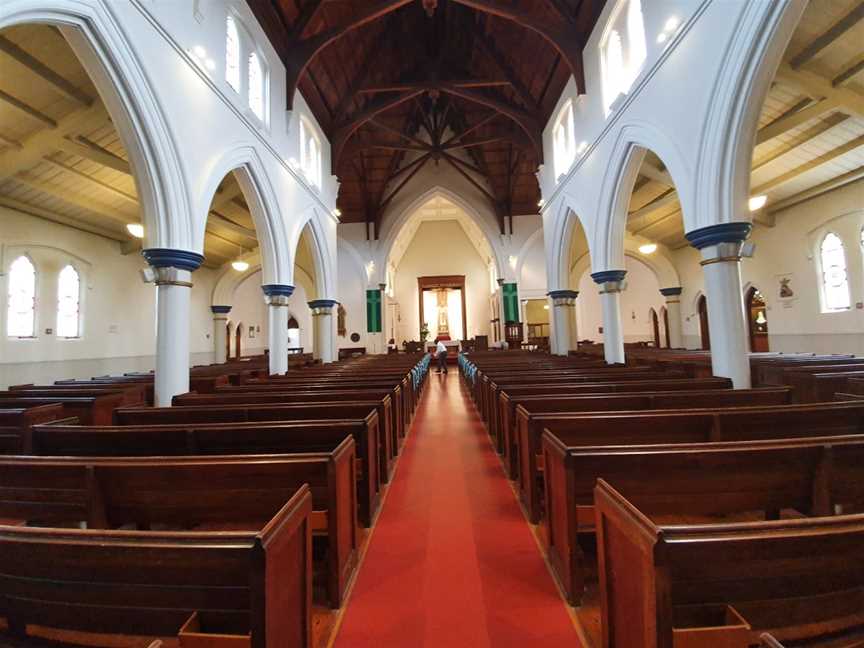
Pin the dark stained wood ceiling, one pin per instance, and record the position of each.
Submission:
(401, 84)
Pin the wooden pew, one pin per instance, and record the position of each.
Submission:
(533, 404)
(90, 410)
(697, 425)
(821, 385)
(15, 423)
(699, 480)
(192, 493)
(720, 584)
(133, 393)
(149, 583)
(389, 438)
(217, 439)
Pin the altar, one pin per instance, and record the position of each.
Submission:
(442, 308)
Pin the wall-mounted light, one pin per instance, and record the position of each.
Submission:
(240, 265)
(337, 212)
(648, 248)
(541, 202)
(136, 230)
(672, 23)
(757, 202)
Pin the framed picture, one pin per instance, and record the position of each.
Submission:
(786, 287)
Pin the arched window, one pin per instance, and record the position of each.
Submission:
(310, 154)
(835, 283)
(615, 73)
(68, 303)
(638, 50)
(564, 149)
(232, 54)
(623, 50)
(293, 333)
(256, 86)
(21, 316)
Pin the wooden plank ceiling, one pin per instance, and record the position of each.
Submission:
(62, 160)
(811, 127)
(401, 84)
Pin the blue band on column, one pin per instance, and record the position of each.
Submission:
(322, 303)
(670, 292)
(168, 258)
(220, 310)
(716, 234)
(569, 294)
(608, 275)
(280, 290)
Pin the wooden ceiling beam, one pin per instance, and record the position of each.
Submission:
(818, 86)
(5, 141)
(104, 186)
(27, 110)
(561, 35)
(310, 11)
(41, 70)
(824, 40)
(90, 151)
(68, 221)
(850, 72)
(299, 53)
(423, 84)
(829, 185)
(794, 120)
(499, 61)
(809, 134)
(72, 198)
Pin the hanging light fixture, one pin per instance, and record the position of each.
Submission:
(648, 248)
(757, 202)
(240, 265)
(136, 230)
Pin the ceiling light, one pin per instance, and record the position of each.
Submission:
(545, 306)
(757, 202)
(648, 248)
(135, 229)
(671, 24)
(239, 265)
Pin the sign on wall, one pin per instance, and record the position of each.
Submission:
(373, 311)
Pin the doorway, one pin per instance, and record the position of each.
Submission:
(655, 326)
(665, 314)
(702, 306)
(238, 341)
(757, 321)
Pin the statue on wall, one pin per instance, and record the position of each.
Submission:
(443, 316)
(341, 329)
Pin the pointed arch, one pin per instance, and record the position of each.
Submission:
(107, 55)
(324, 259)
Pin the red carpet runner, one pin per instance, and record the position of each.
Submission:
(452, 561)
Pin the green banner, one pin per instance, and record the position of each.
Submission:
(511, 302)
(373, 311)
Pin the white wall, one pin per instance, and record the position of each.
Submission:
(642, 294)
(118, 310)
(441, 248)
(792, 247)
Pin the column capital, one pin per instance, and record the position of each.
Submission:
(671, 292)
(610, 281)
(322, 306)
(220, 310)
(168, 258)
(277, 294)
(720, 233)
(570, 294)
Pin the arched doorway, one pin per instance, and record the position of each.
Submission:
(238, 341)
(294, 335)
(227, 340)
(655, 327)
(665, 314)
(702, 307)
(757, 321)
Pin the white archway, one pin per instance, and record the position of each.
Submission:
(106, 54)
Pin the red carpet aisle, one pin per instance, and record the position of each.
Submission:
(452, 561)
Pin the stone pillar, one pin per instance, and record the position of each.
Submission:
(173, 274)
(673, 315)
(322, 323)
(564, 315)
(220, 333)
(611, 284)
(276, 296)
(720, 246)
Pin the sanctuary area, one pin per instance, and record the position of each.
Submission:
(243, 241)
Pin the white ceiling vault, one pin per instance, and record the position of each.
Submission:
(439, 209)
(811, 127)
(61, 158)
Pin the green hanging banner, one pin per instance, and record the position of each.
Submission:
(373, 311)
(510, 297)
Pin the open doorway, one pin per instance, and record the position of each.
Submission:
(702, 307)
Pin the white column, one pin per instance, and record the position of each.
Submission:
(673, 315)
(611, 283)
(172, 271)
(720, 246)
(564, 315)
(220, 333)
(276, 296)
(322, 323)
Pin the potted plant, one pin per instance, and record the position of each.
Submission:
(424, 333)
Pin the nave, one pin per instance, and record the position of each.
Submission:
(452, 561)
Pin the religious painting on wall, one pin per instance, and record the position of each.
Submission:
(786, 288)
(341, 329)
